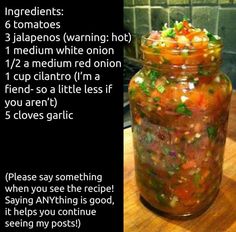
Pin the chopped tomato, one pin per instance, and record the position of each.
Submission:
(184, 192)
(174, 59)
(186, 24)
(189, 164)
(138, 119)
(200, 45)
(155, 94)
(219, 97)
(170, 43)
(195, 58)
(192, 34)
(198, 100)
(150, 57)
(202, 101)
(185, 31)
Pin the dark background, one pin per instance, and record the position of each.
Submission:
(92, 143)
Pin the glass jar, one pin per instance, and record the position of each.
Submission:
(179, 105)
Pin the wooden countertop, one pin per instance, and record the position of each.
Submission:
(220, 217)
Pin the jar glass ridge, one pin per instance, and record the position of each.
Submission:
(179, 105)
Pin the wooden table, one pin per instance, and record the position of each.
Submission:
(220, 217)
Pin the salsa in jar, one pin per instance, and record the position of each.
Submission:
(179, 105)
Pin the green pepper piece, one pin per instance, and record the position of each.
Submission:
(170, 33)
(179, 26)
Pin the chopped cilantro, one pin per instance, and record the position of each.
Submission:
(153, 75)
(153, 84)
(161, 198)
(211, 37)
(149, 137)
(132, 92)
(165, 61)
(160, 88)
(156, 99)
(185, 18)
(172, 169)
(144, 88)
(212, 132)
(165, 150)
(156, 184)
(156, 50)
(203, 72)
(211, 91)
(196, 179)
(183, 109)
(193, 80)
